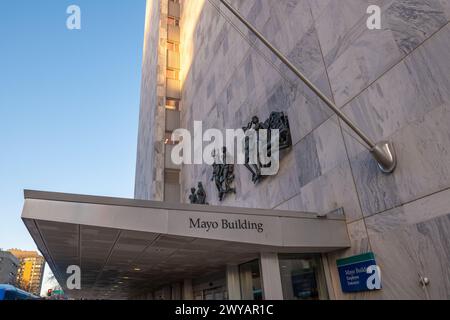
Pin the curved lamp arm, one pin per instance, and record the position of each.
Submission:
(383, 151)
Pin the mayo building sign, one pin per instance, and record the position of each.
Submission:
(226, 224)
(359, 273)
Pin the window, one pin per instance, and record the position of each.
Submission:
(168, 139)
(173, 74)
(173, 46)
(173, 22)
(172, 104)
(302, 277)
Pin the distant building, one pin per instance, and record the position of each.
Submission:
(9, 266)
(31, 270)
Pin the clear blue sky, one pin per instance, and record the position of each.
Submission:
(69, 102)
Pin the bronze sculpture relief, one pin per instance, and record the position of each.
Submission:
(277, 121)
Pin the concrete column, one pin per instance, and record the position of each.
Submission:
(270, 274)
(328, 277)
(188, 293)
(246, 281)
(233, 285)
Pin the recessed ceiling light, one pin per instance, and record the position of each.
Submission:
(137, 269)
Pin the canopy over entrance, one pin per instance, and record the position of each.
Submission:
(126, 246)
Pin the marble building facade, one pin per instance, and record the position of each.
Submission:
(394, 83)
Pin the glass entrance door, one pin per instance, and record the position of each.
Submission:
(218, 293)
(302, 277)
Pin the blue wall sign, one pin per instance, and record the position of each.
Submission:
(359, 273)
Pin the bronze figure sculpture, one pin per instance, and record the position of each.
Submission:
(198, 196)
(223, 175)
